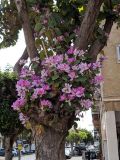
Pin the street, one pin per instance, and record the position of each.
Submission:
(32, 157)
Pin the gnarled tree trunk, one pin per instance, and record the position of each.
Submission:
(50, 135)
(9, 140)
(50, 145)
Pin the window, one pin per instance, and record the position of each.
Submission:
(118, 52)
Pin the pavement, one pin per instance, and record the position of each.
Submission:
(32, 157)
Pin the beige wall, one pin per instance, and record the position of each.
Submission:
(111, 67)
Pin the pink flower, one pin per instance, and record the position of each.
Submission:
(78, 92)
(38, 92)
(20, 102)
(75, 67)
(72, 75)
(98, 79)
(23, 118)
(58, 59)
(83, 67)
(25, 72)
(44, 73)
(46, 87)
(63, 97)
(46, 103)
(36, 83)
(67, 88)
(63, 67)
(96, 65)
(86, 103)
(23, 83)
(71, 60)
(71, 50)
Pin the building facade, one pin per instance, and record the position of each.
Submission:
(110, 103)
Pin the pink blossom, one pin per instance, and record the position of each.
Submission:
(71, 60)
(23, 118)
(20, 102)
(44, 73)
(86, 103)
(102, 58)
(63, 97)
(38, 92)
(23, 83)
(72, 75)
(36, 83)
(71, 50)
(58, 59)
(98, 79)
(78, 92)
(75, 67)
(83, 67)
(25, 72)
(96, 65)
(46, 103)
(67, 88)
(46, 87)
(63, 67)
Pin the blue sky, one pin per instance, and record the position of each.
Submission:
(12, 54)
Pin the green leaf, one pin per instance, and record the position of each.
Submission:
(56, 76)
(65, 78)
(42, 55)
(38, 27)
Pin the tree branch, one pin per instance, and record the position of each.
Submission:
(88, 24)
(29, 38)
(17, 67)
(99, 44)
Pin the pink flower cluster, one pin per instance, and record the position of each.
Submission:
(64, 78)
(19, 103)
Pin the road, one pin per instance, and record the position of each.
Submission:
(32, 157)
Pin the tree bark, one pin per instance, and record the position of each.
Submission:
(17, 67)
(88, 24)
(50, 145)
(9, 140)
(28, 33)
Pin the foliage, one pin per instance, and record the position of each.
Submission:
(53, 23)
(63, 84)
(81, 135)
(9, 122)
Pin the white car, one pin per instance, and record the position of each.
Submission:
(67, 153)
(14, 152)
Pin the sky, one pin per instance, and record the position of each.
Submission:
(12, 54)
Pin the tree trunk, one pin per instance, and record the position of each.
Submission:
(9, 140)
(50, 144)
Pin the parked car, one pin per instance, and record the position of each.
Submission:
(90, 154)
(2, 152)
(67, 153)
(14, 152)
(77, 151)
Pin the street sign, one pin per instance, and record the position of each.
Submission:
(19, 147)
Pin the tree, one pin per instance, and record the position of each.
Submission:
(49, 28)
(10, 125)
(81, 135)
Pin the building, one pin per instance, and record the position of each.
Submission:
(110, 104)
